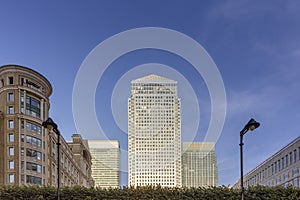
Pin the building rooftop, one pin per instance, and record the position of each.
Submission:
(152, 78)
(102, 144)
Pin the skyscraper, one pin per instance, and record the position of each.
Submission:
(105, 159)
(199, 164)
(154, 132)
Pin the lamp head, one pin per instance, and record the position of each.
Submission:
(252, 124)
(49, 124)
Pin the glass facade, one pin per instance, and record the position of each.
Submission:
(33, 107)
(105, 162)
(199, 164)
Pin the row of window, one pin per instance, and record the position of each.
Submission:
(34, 154)
(284, 162)
(34, 167)
(153, 183)
(33, 127)
(29, 152)
(32, 140)
(29, 179)
(23, 82)
(32, 105)
(29, 126)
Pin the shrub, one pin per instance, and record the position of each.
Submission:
(147, 193)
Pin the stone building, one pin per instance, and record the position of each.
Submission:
(28, 153)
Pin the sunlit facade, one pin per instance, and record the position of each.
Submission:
(105, 162)
(28, 151)
(24, 97)
(199, 164)
(281, 169)
(154, 132)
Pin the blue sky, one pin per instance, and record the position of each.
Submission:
(254, 44)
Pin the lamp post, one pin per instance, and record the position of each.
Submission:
(52, 126)
(251, 125)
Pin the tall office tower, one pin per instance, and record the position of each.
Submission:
(24, 97)
(154, 135)
(105, 162)
(199, 164)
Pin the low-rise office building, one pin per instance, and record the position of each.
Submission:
(281, 169)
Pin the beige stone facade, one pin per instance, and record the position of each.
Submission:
(83, 158)
(28, 153)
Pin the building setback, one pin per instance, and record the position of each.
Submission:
(28, 153)
(281, 169)
(199, 164)
(154, 132)
(105, 159)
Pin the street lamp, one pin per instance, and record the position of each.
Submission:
(251, 125)
(52, 126)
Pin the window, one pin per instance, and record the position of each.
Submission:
(34, 154)
(295, 172)
(10, 110)
(296, 182)
(10, 96)
(33, 167)
(11, 151)
(33, 180)
(33, 107)
(286, 184)
(10, 123)
(11, 137)
(22, 124)
(10, 80)
(22, 179)
(11, 164)
(22, 102)
(11, 178)
(33, 127)
(34, 141)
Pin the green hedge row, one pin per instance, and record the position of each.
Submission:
(147, 193)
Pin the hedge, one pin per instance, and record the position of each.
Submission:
(147, 193)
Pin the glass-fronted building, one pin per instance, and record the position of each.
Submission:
(105, 162)
(199, 164)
